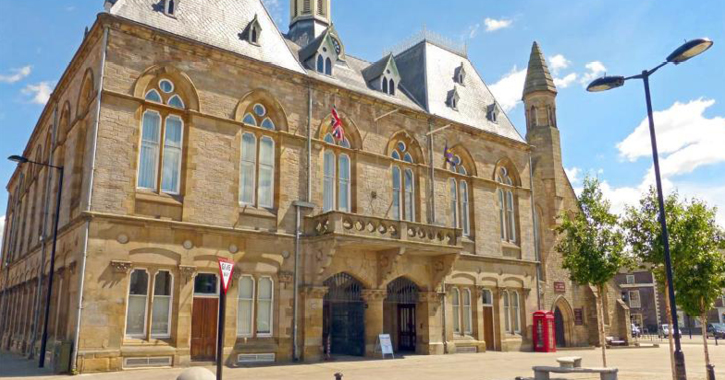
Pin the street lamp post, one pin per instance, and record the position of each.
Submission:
(44, 341)
(689, 50)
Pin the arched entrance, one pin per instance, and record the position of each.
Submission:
(564, 323)
(400, 316)
(343, 321)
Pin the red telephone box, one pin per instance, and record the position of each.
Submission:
(544, 334)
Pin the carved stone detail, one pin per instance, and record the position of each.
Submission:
(121, 267)
(187, 271)
(388, 263)
(372, 295)
(286, 277)
(315, 292)
(429, 297)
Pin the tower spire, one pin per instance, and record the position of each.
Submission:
(538, 77)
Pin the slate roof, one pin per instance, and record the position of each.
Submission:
(218, 23)
(538, 77)
(376, 69)
(427, 69)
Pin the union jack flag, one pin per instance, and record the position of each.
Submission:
(337, 132)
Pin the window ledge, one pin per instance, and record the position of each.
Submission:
(157, 198)
(258, 212)
(510, 245)
(143, 343)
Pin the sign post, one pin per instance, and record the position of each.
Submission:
(226, 268)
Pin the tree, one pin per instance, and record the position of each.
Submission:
(700, 277)
(644, 238)
(592, 246)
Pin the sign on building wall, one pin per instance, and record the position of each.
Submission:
(560, 287)
(579, 317)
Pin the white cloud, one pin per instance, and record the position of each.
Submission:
(509, 88)
(40, 92)
(2, 229)
(17, 75)
(558, 63)
(493, 25)
(472, 31)
(573, 174)
(565, 81)
(686, 138)
(595, 70)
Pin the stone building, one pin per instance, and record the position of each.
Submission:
(356, 198)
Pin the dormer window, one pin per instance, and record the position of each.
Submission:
(453, 99)
(324, 64)
(252, 32)
(388, 85)
(460, 75)
(492, 113)
(170, 7)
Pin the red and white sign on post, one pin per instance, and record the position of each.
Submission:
(226, 268)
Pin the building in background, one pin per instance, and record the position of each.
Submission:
(192, 130)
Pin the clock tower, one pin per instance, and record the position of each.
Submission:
(308, 20)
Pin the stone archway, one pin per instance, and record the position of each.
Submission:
(564, 322)
(343, 318)
(399, 311)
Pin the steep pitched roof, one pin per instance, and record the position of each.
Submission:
(428, 71)
(538, 77)
(376, 69)
(218, 23)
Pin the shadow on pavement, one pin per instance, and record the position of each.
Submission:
(12, 365)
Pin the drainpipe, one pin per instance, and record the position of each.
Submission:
(537, 252)
(299, 205)
(309, 143)
(82, 269)
(432, 212)
(49, 175)
(443, 316)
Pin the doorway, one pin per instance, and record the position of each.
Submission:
(488, 334)
(343, 320)
(560, 328)
(204, 319)
(401, 302)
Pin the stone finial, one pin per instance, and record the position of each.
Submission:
(121, 267)
(538, 77)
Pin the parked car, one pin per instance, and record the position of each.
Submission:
(716, 330)
(636, 332)
(665, 329)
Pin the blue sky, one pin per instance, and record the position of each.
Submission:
(601, 133)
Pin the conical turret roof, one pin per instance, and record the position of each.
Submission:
(538, 77)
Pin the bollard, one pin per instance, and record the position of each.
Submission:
(710, 372)
(338, 376)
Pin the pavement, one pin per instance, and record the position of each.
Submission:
(633, 364)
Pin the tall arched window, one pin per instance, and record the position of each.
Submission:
(258, 158)
(456, 302)
(337, 191)
(467, 313)
(392, 87)
(320, 64)
(162, 139)
(404, 181)
(506, 311)
(506, 206)
(515, 312)
(328, 66)
(459, 193)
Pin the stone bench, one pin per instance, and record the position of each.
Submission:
(570, 362)
(543, 373)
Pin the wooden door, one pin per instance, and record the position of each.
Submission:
(204, 329)
(406, 327)
(488, 328)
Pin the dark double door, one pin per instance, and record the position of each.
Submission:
(406, 328)
(345, 328)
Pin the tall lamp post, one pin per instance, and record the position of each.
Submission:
(44, 341)
(689, 50)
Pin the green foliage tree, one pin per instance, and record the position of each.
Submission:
(592, 246)
(700, 276)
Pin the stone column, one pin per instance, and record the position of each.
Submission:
(310, 323)
(374, 299)
(181, 328)
(430, 328)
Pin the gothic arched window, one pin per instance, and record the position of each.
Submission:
(460, 192)
(506, 205)
(404, 181)
(258, 157)
(162, 139)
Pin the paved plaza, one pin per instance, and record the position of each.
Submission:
(633, 363)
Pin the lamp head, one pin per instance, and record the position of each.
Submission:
(689, 50)
(606, 83)
(19, 159)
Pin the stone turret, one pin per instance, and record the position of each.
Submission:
(308, 20)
